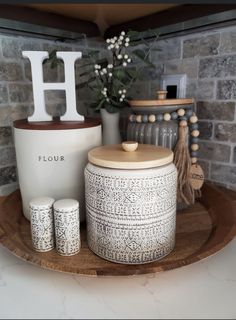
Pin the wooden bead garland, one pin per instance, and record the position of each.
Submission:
(183, 116)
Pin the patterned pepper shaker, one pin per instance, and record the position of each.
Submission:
(67, 226)
(41, 220)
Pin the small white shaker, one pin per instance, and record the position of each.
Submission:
(67, 226)
(42, 226)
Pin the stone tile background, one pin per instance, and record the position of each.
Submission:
(208, 58)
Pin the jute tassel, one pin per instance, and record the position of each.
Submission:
(182, 161)
(198, 193)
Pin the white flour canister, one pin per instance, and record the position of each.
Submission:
(51, 157)
(131, 202)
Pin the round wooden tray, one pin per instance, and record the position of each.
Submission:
(202, 230)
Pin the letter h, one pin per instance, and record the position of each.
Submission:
(39, 86)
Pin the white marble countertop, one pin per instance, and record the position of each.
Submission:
(206, 289)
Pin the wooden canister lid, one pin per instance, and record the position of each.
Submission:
(56, 124)
(164, 102)
(144, 157)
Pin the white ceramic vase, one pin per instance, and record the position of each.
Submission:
(110, 127)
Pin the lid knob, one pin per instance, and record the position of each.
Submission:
(129, 146)
(161, 94)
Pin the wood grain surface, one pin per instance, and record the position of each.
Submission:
(166, 102)
(146, 156)
(56, 124)
(202, 230)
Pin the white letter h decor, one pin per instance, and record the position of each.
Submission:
(39, 86)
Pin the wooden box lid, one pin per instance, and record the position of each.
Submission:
(56, 124)
(164, 102)
(124, 156)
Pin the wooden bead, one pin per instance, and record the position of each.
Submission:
(194, 126)
(194, 154)
(189, 113)
(159, 117)
(195, 133)
(183, 123)
(174, 115)
(194, 160)
(194, 140)
(194, 147)
(145, 118)
(152, 118)
(181, 112)
(167, 117)
(139, 118)
(132, 118)
(193, 119)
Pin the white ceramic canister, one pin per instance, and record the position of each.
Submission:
(42, 225)
(67, 226)
(51, 157)
(131, 203)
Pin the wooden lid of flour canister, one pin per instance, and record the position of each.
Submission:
(130, 155)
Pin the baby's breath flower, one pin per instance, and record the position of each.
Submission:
(122, 33)
(129, 60)
(126, 44)
(119, 56)
(124, 64)
(126, 56)
(110, 74)
(108, 41)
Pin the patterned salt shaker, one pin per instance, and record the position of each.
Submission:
(41, 221)
(67, 226)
